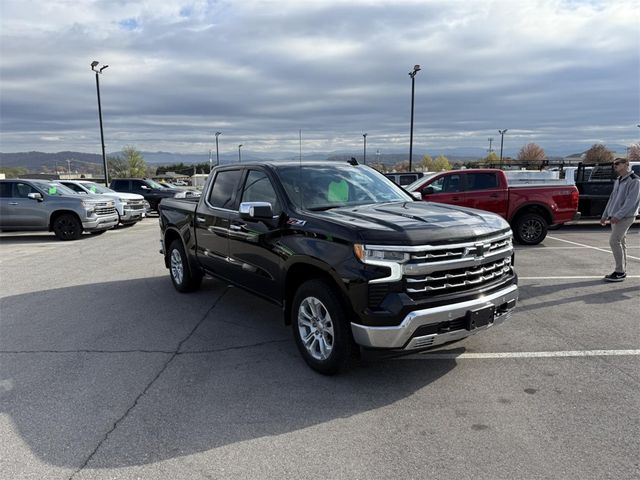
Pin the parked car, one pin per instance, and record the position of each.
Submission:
(404, 178)
(530, 209)
(151, 190)
(130, 206)
(595, 184)
(46, 205)
(353, 260)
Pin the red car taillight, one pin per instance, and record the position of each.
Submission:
(575, 197)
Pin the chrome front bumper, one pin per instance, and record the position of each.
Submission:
(400, 336)
(101, 223)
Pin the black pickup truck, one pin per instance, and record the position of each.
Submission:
(353, 260)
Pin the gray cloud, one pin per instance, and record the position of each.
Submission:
(560, 73)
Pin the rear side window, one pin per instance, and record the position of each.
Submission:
(482, 181)
(407, 179)
(74, 187)
(5, 189)
(120, 184)
(224, 186)
(258, 188)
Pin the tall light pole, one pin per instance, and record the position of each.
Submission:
(94, 64)
(239, 154)
(217, 151)
(502, 132)
(364, 157)
(490, 142)
(416, 69)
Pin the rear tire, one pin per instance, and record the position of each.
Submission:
(67, 227)
(321, 328)
(184, 278)
(530, 229)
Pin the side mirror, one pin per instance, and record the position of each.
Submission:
(144, 187)
(35, 196)
(256, 211)
(416, 195)
(428, 191)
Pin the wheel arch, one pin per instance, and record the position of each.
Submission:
(58, 213)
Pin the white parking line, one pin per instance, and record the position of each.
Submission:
(587, 246)
(570, 353)
(584, 277)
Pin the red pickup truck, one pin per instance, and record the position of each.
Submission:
(530, 209)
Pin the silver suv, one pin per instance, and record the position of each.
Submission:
(50, 206)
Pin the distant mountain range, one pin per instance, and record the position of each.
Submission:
(90, 162)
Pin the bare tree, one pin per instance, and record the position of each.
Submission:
(532, 155)
(402, 166)
(634, 153)
(598, 153)
(427, 163)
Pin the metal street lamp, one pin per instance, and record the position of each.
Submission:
(416, 69)
(239, 154)
(502, 132)
(490, 142)
(217, 134)
(94, 64)
(365, 149)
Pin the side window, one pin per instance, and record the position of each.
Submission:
(74, 187)
(258, 188)
(407, 179)
(5, 189)
(483, 181)
(137, 184)
(120, 184)
(224, 186)
(437, 185)
(22, 190)
(447, 184)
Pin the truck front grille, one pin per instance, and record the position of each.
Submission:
(105, 211)
(457, 280)
(135, 204)
(460, 251)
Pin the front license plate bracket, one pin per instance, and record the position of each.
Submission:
(480, 317)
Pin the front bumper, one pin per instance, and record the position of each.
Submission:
(101, 223)
(404, 337)
(131, 215)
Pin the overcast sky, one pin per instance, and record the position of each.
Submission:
(558, 73)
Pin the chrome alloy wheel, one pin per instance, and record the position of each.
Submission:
(177, 269)
(316, 328)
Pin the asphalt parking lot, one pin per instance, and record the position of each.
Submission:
(108, 373)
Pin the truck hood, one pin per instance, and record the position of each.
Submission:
(416, 223)
(126, 196)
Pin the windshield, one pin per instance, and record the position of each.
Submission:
(321, 187)
(53, 188)
(418, 183)
(96, 188)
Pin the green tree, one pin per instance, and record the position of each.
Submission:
(441, 163)
(135, 162)
(14, 172)
(598, 153)
(427, 163)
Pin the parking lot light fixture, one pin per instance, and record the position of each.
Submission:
(412, 74)
(98, 72)
(217, 134)
(502, 132)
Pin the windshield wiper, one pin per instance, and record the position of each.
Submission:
(323, 208)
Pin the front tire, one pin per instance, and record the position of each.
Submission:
(530, 229)
(184, 278)
(321, 328)
(67, 227)
(97, 232)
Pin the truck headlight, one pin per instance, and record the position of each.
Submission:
(371, 255)
(123, 201)
(88, 206)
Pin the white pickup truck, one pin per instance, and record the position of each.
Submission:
(130, 206)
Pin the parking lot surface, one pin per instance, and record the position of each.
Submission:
(108, 373)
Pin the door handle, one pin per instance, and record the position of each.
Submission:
(495, 195)
(201, 219)
(237, 228)
(13, 203)
(455, 199)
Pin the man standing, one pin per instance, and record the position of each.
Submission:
(621, 211)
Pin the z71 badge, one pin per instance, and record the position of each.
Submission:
(296, 222)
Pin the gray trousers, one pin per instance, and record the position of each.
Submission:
(618, 242)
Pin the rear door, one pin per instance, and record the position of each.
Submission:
(444, 188)
(483, 191)
(212, 221)
(251, 243)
